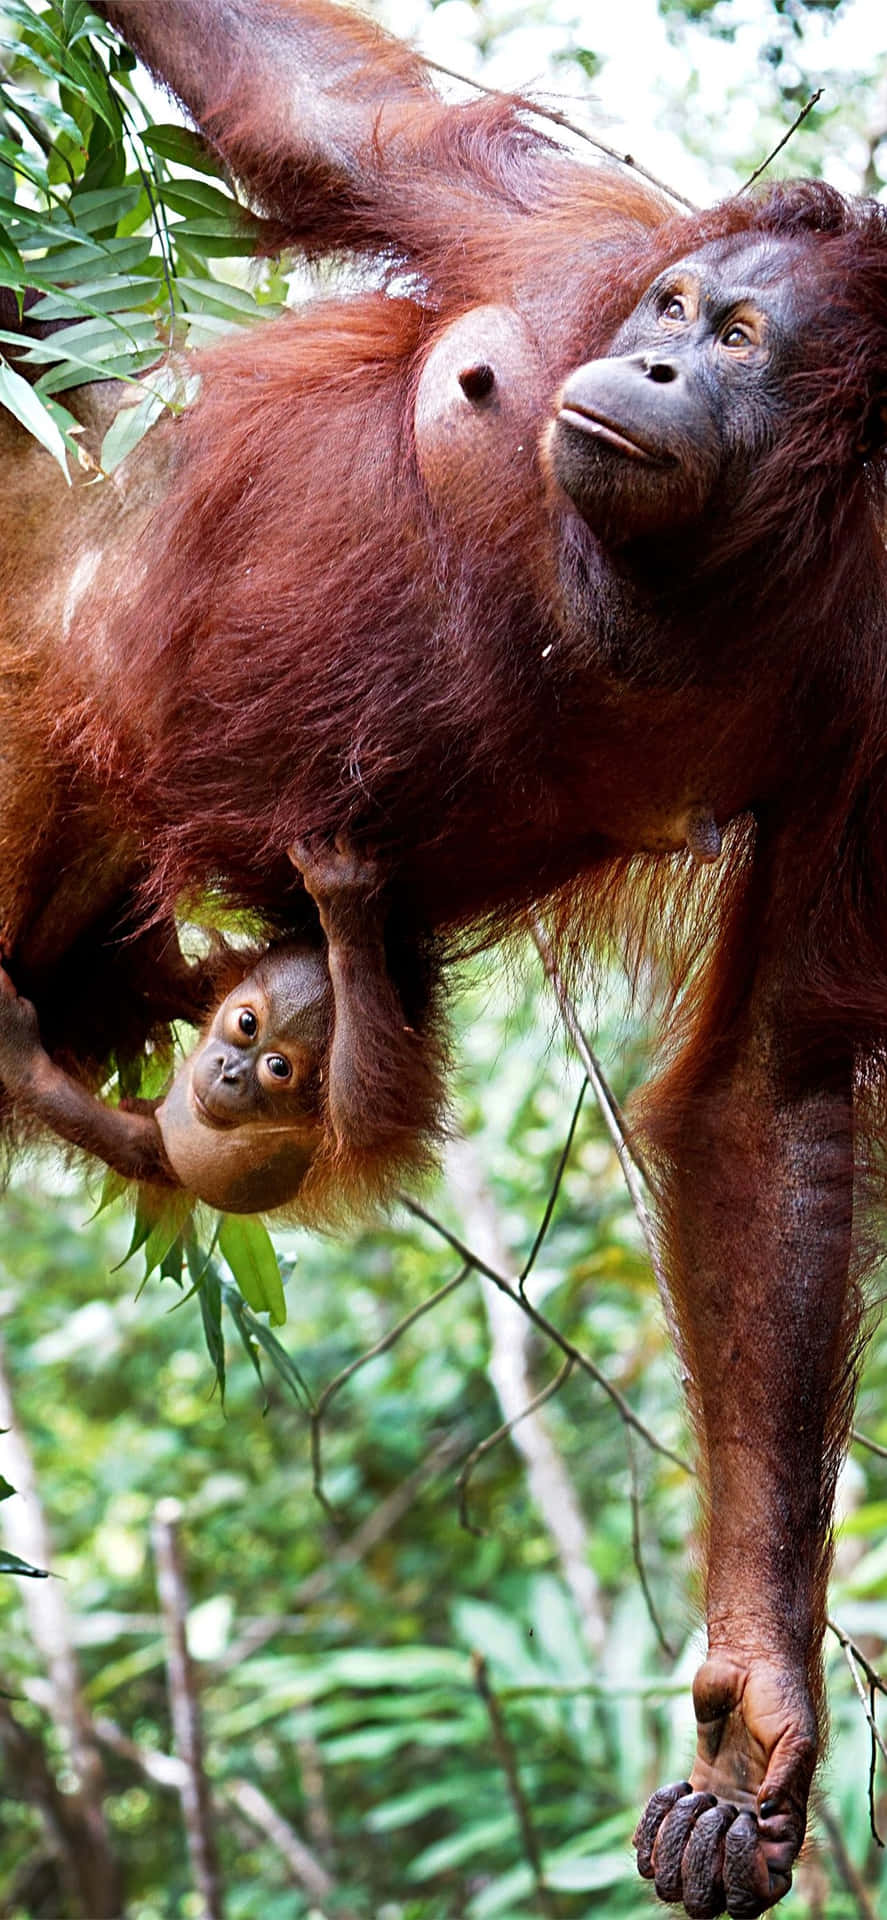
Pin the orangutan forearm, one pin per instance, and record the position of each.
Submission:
(128, 1142)
(374, 1055)
(764, 1300)
(278, 86)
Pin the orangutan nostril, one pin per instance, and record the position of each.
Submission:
(477, 381)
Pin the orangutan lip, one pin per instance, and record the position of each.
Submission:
(599, 429)
(210, 1119)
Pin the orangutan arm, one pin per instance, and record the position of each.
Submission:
(127, 1141)
(756, 1146)
(334, 127)
(384, 1093)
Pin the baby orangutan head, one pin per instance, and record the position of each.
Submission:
(242, 1122)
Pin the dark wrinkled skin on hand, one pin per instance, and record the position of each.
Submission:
(706, 1842)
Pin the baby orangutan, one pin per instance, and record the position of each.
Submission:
(289, 1090)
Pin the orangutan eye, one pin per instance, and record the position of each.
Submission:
(736, 336)
(675, 310)
(247, 1023)
(278, 1066)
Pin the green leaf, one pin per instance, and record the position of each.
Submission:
(501, 1896)
(142, 1228)
(10, 1563)
(180, 144)
(103, 206)
(282, 1362)
(167, 389)
(469, 1842)
(10, 258)
(171, 1264)
(585, 1875)
(217, 297)
(247, 1247)
(69, 260)
(113, 1186)
(196, 199)
(5, 1489)
(211, 240)
(28, 408)
(128, 427)
(243, 1321)
(165, 1235)
(210, 1296)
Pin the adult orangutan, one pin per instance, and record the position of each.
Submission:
(539, 569)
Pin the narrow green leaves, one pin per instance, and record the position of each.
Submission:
(246, 1245)
(21, 400)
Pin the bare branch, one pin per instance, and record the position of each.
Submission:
(796, 123)
(181, 1681)
(307, 1871)
(388, 1339)
(500, 1433)
(856, 1660)
(507, 1759)
(170, 1773)
(547, 1327)
(570, 126)
(77, 1820)
(549, 1483)
(840, 1858)
(637, 1548)
(627, 1152)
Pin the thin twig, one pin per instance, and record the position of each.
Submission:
(507, 1759)
(842, 1861)
(632, 1166)
(492, 1440)
(862, 1440)
(627, 1152)
(637, 1548)
(375, 1528)
(855, 1660)
(796, 123)
(166, 1771)
(547, 1327)
(388, 1339)
(555, 1188)
(184, 1708)
(305, 1868)
(570, 126)
(161, 228)
(874, 1678)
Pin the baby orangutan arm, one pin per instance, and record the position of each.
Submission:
(383, 1079)
(128, 1142)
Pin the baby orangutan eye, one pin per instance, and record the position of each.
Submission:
(736, 336)
(278, 1066)
(247, 1023)
(675, 310)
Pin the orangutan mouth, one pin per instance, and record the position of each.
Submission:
(598, 429)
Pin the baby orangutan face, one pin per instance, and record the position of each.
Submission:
(242, 1120)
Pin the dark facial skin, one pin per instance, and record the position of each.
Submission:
(648, 438)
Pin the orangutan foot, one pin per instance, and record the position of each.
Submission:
(725, 1839)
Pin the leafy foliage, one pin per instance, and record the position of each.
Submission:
(111, 223)
(337, 1644)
